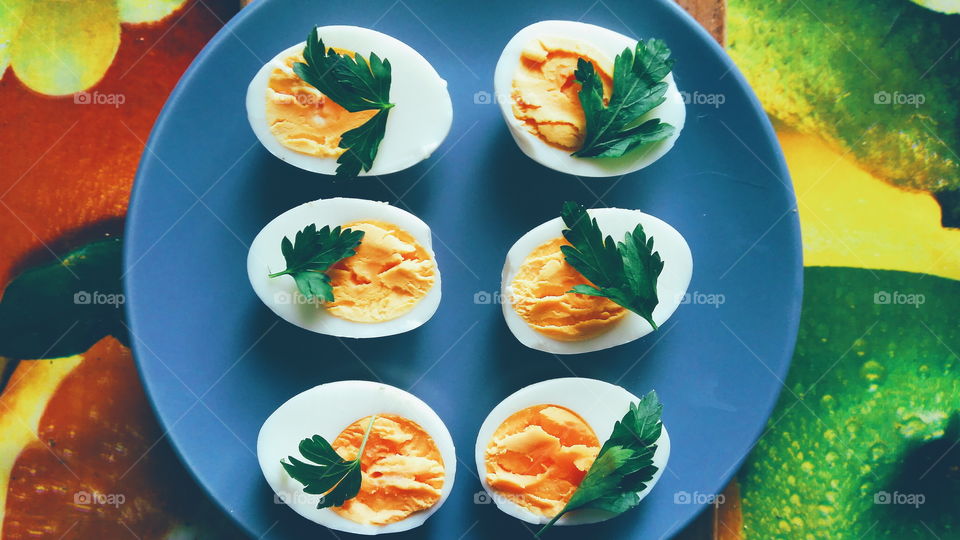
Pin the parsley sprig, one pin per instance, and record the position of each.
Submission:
(312, 253)
(356, 85)
(625, 272)
(333, 477)
(615, 129)
(624, 464)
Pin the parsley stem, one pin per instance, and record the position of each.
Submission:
(551, 522)
(366, 435)
(278, 274)
(357, 463)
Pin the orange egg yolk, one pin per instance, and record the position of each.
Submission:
(304, 120)
(545, 90)
(401, 466)
(540, 297)
(387, 276)
(538, 457)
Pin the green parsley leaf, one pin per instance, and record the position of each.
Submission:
(363, 142)
(312, 253)
(333, 477)
(638, 87)
(625, 272)
(356, 85)
(624, 464)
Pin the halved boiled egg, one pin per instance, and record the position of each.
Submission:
(535, 447)
(536, 277)
(407, 467)
(391, 285)
(303, 127)
(538, 96)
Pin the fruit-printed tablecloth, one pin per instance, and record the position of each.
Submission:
(864, 442)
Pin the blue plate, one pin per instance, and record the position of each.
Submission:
(216, 362)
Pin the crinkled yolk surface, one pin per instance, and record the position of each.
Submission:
(402, 470)
(540, 297)
(304, 120)
(545, 90)
(538, 457)
(389, 274)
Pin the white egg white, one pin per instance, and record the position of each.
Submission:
(671, 111)
(326, 410)
(416, 126)
(599, 403)
(616, 222)
(280, 294)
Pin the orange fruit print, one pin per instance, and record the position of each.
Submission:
(81, 454)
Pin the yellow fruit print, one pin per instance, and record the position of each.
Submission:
(59, 47)
(142, 11)
(943, 6)
(848, 217)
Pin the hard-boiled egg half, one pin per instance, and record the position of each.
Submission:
(391, 285)
(536, 278)
(536, 446)
(408, 462)
(539, 97)
(302, 126)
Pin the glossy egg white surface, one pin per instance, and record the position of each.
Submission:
(326, 410)
(671, 111)
(599, 403)
(616, 222)
(280, 294)
(416, 126)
